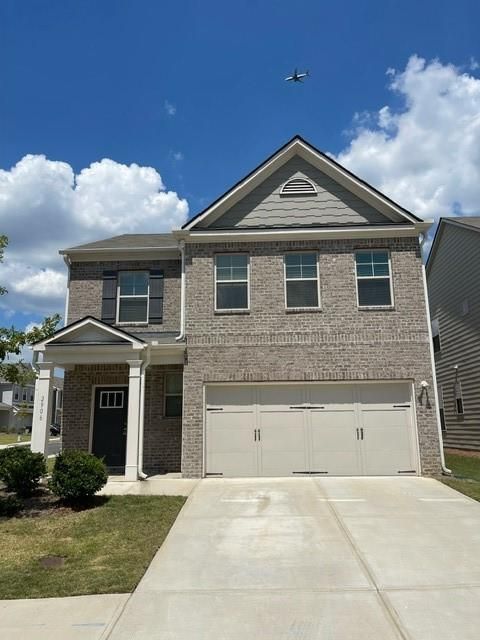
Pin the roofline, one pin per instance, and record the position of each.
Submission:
(337, 165)
(72, 325)
(436, 238)
(67, 252)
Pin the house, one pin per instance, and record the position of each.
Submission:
(455, 311)
(282, 331)
(16, 404)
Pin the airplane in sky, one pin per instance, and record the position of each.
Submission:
(297, 77)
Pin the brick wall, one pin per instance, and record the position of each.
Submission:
(162, 436)
(340, 342)
(86, 283)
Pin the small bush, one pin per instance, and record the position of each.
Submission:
(77, 476)
(9, 506)
(21, 469)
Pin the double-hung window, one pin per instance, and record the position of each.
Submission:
(231, 282)
(173, 394)
(374, 281)
(436, 336)
(301, 280)
(132, 305)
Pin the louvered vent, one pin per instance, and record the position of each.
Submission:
(298, 186)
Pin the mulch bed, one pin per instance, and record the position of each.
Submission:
(44, 503)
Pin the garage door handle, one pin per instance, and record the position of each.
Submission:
(297, 406)
(358, 434)
(361, 433)
(314, 407)
(401, 406)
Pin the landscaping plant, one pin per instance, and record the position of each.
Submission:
(77, 476)
(21, 470)
(9, 506)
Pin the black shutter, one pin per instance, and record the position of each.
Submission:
(155, 310)
(109, 297)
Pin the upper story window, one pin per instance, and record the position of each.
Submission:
(132, 305)
(301, 280)
(298, 187)
(436, 335)
(173, 394)
(374, 282)
(232, 282)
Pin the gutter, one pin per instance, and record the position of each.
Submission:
(141, 430)
(181, 335)
(67, 261)
(445, 469)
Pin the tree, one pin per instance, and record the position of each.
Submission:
(12, 340)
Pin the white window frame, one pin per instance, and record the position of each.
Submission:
(119, 296)
(234, 253)
(301, 280)
(458, 395)
(436, 334)
(357, 278)
(106, 394)
(171, 395)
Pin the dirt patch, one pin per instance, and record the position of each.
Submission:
(464, 453)
(52, 562)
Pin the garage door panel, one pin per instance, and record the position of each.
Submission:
(241, 464)
(283, 448)
(279, 397)
(334, 443)
(387, 444)
(232, 398)
(383, 394)
(335, 396)
(338, 463)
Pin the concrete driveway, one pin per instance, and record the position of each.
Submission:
(301, 559)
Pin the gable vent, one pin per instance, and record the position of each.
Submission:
(298, 186)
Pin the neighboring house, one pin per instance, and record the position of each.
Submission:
(282, 331)
(17, 401)
(453, 273)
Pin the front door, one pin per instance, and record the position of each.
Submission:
(109, 439)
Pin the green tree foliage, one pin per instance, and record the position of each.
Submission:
(12, 340)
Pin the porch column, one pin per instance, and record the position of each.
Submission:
(133, 420)
(42, 408)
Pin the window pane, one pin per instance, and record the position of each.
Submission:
(309, 258)
(239, 273)
(133, 283)
(364, 270)
(363, 257)
(381, 270)
(223, 261)
(292, 259)
(302, 293)
(379, 257)
(293, 271)
(309, 271)
(374, 293)
(232, 296)
(173, 406)
(174, 383)
(132, 310)
(224, 273)
(239, 261)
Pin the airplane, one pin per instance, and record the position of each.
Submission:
(297, 77)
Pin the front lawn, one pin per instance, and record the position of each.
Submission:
(466, 474)
(10, 438)
(104, 549)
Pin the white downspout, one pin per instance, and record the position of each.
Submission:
(66, 259)
(141, 474)
(181, 336)
(445, 469)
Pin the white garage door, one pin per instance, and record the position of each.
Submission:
(324, 429)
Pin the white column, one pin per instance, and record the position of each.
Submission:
(42, 408)
(133, 421)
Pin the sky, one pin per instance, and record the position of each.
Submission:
(126, 116)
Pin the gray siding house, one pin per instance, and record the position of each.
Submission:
(282, 331)
(453, 273)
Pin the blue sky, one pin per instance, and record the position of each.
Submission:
(196, 91)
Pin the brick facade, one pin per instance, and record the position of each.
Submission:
(86, 284)
(340, 342)
(162, 436)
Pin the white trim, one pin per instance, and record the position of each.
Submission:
(40, 346)
(321, 162)
(231, 253)
(115, 406)
(319, 304)
(390, 278)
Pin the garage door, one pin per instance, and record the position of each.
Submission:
(310, 429)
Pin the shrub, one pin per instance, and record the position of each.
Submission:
(9, 506)
(77, 476)
(21, 469)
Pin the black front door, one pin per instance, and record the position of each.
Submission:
(109, 439)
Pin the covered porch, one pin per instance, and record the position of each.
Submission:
(122, 396)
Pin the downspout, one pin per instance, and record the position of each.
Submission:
(141, 474)
(445, 469)
(67, 261)
(181, 335)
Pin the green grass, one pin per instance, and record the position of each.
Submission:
(107, 548)
(466, 474)
(10, 438)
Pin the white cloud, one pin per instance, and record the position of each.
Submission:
(425, 154)
(178, 156)
(44, 207)
(170, 109)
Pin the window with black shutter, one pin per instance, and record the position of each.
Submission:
(109, 297)
(155, 313)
